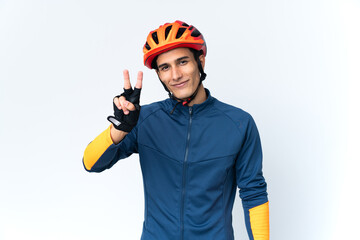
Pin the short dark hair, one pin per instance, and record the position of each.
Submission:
(195, 52)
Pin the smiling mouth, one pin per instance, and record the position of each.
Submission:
(180, 84)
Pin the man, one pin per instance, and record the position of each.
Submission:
(194, 150)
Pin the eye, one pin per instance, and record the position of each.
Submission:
(164, 68)
(183, 62)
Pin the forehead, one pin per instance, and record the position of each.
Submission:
(173, 55)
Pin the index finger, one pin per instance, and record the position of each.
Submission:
(139, 80)
(127, 84)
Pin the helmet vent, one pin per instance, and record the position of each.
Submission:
(191, 28)
(180, 32)
(167, 30)
(155, 37)
(147, 46)
(184, 24)
(195, 33)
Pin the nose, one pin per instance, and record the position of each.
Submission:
(176, 73)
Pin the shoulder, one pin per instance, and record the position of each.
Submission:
(149, 109)
(236, 114)
(241, 119)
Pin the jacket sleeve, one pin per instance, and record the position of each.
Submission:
(102, 153)
(252, 184)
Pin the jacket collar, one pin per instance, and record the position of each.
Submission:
(197, 108)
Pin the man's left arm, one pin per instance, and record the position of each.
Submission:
(250, 180)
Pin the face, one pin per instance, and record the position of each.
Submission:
(179, 71)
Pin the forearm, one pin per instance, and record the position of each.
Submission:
(96, 148)
(103, 152)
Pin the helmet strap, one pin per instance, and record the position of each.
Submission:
(202, 73)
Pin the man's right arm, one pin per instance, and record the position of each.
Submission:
(111, 145)
(107, 148)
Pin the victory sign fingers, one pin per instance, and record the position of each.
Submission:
(126, 102)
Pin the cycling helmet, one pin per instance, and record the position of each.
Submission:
(170, 36)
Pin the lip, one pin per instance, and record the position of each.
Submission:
(180, 85)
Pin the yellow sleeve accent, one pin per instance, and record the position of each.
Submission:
(96, 148)
(259, 221)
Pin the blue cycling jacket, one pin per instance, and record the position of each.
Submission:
(192, 162)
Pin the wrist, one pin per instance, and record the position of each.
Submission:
(116, 135)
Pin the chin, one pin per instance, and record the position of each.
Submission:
(182, 95)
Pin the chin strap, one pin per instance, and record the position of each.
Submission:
(186, 101)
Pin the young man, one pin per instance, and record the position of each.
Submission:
(194, 150)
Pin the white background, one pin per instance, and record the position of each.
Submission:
(294, 65)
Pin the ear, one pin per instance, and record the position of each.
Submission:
(202, 60)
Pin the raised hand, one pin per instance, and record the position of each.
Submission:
(129, 97)
(126, 105)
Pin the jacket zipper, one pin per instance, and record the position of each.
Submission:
(184, 176)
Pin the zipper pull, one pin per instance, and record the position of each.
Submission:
(190, 110)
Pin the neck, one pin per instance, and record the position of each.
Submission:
(200, 96)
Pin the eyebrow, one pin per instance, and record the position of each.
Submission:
(177, 60)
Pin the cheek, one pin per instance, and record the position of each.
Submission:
(195, 76)
(165, 81)
(163, 78)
